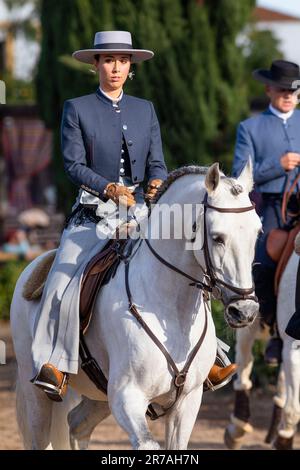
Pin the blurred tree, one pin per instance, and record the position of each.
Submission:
(196, 81)
(22, 91)
(261, 49)
(29, 25)
(67, 27)
(228, 18)
(181, 87)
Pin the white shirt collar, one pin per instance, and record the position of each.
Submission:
(113, 100)
(283, 116)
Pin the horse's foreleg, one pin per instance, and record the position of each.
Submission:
(181, 420)
(291, 410)
(239, 424)
(83, 419)
(34, 412)
(245, 338)
(129, 406)
(279, 401)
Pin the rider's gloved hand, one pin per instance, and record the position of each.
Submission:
(152, 189)
(119, 194)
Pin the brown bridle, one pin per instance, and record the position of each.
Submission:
(212, 280)
(242, 294)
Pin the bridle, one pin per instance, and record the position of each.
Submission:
(242, 294)
(212, 281)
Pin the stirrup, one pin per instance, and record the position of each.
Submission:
(208, 385)
(221, 361)
(54, 392)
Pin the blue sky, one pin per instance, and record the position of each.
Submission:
(285, 6)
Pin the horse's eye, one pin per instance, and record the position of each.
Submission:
(219, 240)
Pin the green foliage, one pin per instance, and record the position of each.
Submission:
(9, 273)
(228, 19)
(18, 91)
(261, 50)
(262, 375)
(198, 79)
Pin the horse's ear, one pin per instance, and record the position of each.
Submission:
(212, 178)
(246, 177)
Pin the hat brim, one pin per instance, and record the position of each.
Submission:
(264, 76)
(88, 55)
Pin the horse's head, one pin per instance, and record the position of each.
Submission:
(226, 233)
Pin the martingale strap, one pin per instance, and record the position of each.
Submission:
(179, 376)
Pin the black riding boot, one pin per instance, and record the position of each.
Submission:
(293, 326)
(273, 351)
(264, 289)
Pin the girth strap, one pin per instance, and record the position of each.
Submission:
(90, 366)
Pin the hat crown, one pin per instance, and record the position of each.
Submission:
(112, 37)
(284, 69)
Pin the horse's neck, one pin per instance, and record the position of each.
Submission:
(165, 288)
(160, 283)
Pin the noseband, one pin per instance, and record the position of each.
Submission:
(213, 282)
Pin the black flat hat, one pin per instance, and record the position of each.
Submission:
(282, 74)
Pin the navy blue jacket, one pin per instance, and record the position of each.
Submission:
(91, 137)
(266, 138)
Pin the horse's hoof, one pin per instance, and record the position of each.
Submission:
(230, 442)
(283, 443)
(148, 445)
(77, 444)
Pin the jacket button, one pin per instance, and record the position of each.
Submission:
(133, 162)
(129, 142)
(124, 127)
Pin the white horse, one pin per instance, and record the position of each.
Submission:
(138, 373)
(286, 411)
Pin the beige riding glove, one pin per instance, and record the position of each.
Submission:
(152, 189)
(119, 194)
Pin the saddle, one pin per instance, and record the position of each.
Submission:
(100, 269)
(280, 246)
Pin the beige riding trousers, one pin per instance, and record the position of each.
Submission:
(56, 327)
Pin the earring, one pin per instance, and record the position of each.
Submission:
(131, 75)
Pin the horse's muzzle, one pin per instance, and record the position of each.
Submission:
(241, 313)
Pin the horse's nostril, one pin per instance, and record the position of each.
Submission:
(234, 313)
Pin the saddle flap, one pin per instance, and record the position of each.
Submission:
(276, 242)
(285, 255)
(95, 275)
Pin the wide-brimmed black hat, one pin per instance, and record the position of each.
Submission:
(282, 74)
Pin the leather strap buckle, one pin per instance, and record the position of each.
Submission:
(179, 380)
